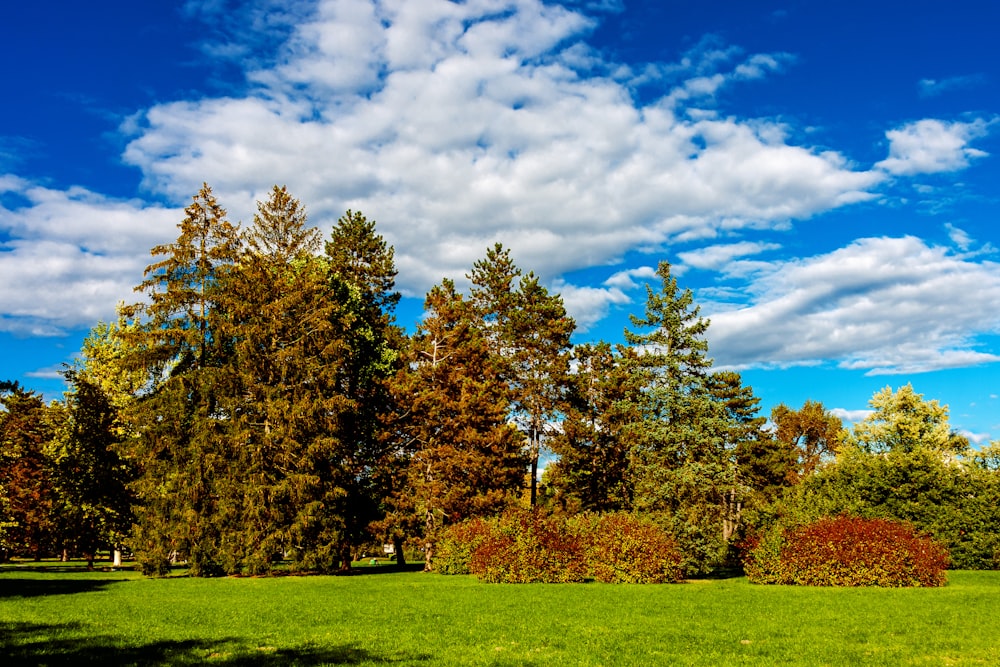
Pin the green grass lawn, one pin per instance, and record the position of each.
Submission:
(67, 616)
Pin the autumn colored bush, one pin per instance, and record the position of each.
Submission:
(847, 551)
(528, 547)
(522, 546)
(456, 544)
(625, 548)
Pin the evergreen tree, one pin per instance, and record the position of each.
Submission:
(459, 458)
(592, 472)
(173, 339)
(529, 332)
(680, 445)
(94, 504)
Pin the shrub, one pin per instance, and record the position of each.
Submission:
(527, 546)
(847, 551)
(456, 544)
(624, 548)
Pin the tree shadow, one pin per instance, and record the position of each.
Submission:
(30, 588)
(366, 570)
(36, 645)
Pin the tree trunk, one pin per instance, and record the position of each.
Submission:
(397, 546)
(428, 556)
(345, 558)
(117, 558)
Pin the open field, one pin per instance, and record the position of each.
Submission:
(67, 616)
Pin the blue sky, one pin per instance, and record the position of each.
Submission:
(822, 175)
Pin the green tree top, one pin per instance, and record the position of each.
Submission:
(903, 421)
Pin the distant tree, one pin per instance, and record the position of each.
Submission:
(811, 435)
(904, 421)
(28, 495)
(93, 502)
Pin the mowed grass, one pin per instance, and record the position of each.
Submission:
(409, 618)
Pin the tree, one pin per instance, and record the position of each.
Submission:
(592, 472)
(458, 456)
(361, 261)
(94, 505)
(903, 421)
(811, 435)
(681, 444)
(173, 339)
(26, 485)
(529, 331)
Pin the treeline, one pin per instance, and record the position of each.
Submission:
(259, 405)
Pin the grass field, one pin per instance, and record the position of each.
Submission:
(67, 616)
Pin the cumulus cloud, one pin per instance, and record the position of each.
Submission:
(453, 125)
(71, 255)
(883, 305)
(460, 124)
(931, 146)
(718, 256)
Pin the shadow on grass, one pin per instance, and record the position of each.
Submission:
(32, 644)
(31, 588)
(382, 569)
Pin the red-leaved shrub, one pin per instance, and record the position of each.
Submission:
(529, 547)
(847, 551)
(625, 548)
(456, 544)
(522, 546)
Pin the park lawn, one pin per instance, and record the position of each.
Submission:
(54, 617)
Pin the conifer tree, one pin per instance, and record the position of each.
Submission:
(174, 340)
(459, 457)
(592, 472)
(529, 332)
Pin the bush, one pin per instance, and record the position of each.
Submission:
(624, 548)
(522, 546)
(457, 542)
(529, 547)
(847, 551)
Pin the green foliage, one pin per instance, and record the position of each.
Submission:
(903, 421)
(848, 551)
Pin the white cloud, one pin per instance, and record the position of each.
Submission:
(850, 416)
(459, 125)
(453, 125)
(625, 279)
(883, 305)
(930, 146)
(716, 257)
(589, 305)
(72, 255)
(959, 236)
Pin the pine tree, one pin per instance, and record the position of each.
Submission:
(592, 472)
(459, 458)
(529, 332)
